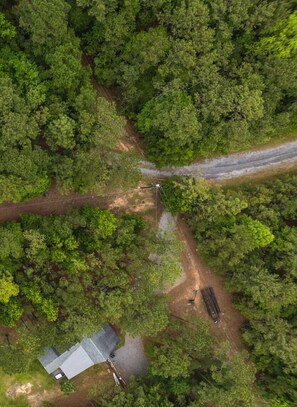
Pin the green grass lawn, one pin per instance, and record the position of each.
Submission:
(37, 376)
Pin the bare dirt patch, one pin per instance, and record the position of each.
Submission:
(19, 390)
(54, 203)
(32, 393)
(198, 275)
(131, 138)
(35, 393)
(83, 384)
(137, 201)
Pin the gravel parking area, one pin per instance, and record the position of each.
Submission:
(131, 359)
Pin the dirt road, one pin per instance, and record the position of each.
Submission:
(198, 275)
(133, 200)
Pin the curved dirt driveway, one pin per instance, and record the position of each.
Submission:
(197, 276)
(231, 166)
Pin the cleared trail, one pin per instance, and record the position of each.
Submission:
(231, 166)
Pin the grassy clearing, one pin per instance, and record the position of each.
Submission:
(37, 376)
(4, 400)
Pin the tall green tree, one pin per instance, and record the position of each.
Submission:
(45, 22)
(283, 41)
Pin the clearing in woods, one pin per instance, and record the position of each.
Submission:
(196, 274)
(143, 201)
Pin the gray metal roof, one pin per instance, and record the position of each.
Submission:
(76, 363)
(105, 341)
(56, 363)
(81, 356)
(49, 356)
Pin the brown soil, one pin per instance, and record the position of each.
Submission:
(131, 138)
(199, 276)
(83, 383)
(134, 200)
(53, 203)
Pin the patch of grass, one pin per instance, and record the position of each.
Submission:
(37, 376)
(288, 135)
(5, 382)
(19, 402)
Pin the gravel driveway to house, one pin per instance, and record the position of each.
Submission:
(131, 359)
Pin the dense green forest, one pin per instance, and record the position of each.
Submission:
(199, 77)
(64, 277)
(52, 124)
(249, 235)
(188, 368)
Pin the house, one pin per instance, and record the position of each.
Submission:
(81, 356)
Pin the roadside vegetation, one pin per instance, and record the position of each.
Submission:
(248, 234)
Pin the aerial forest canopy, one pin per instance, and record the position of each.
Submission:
(63, 277)
(188, 369)
(199, 77)
(52, 124)
(249, 235)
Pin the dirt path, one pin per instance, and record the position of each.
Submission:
(133, 200)
(53, 203)
(198, 275)
(228, 167)
(131, 138)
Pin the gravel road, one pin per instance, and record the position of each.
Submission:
(232, 166)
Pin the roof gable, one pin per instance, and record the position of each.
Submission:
(105, 341)
(81, 356)
(49, 356)
(76, 363)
